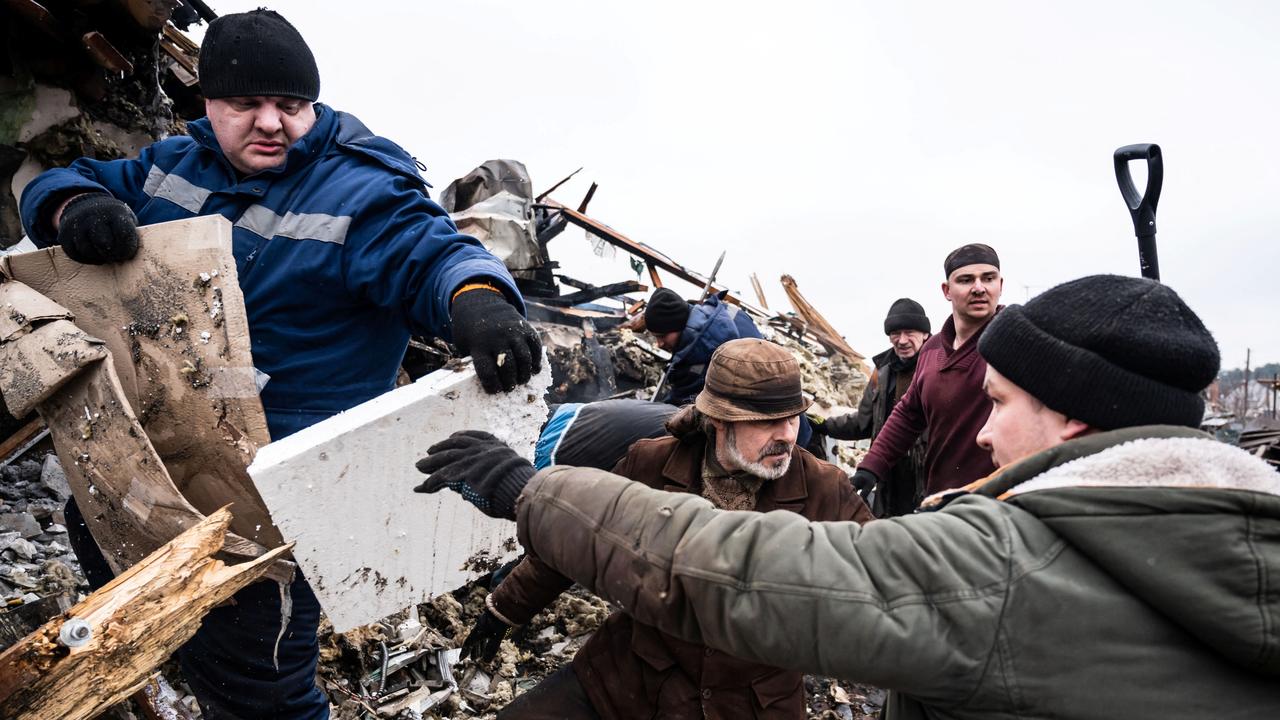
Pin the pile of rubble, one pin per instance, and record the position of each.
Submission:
(418, 655)
(35, 555)
(425, 678)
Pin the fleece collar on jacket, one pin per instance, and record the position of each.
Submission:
(1149, 456)
(1187, 524)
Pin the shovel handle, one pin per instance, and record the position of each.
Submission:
(1142, 207)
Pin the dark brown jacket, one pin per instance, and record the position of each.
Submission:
(631, 670)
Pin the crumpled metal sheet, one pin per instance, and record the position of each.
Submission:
(494, 204)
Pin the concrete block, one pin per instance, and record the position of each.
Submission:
(343, 491)
(54, 479)
(22, 523)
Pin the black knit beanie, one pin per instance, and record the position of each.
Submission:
(257, 53)
(1107, 350)
(971, 254)
(906, 314)
(666, 311)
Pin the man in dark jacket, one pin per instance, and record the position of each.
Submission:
(945, 398)
(899, 492)
(736, 447)
(691, 333)
(1119, 564)
(340, 254)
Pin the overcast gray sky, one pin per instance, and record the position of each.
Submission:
(851, 144)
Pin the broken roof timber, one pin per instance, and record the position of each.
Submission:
(816, 323)
(651, 257)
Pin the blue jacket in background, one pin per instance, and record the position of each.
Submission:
(340, 252)
(710, 325)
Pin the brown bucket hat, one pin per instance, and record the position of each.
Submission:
(752, 379)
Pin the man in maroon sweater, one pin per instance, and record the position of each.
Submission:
(946, 397)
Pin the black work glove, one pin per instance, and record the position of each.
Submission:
(864, 481)
(480, 468)
(96, 229)
(484, 639)
(504, 349)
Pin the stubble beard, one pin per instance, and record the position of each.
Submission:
(756, 467)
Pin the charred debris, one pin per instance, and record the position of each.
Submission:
(594, 334)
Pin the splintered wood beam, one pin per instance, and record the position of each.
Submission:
(653, 274)
(126, 629)
(755, 285)
(650, 256)
(817, 325)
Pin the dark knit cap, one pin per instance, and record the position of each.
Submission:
(1107, 350)
(257, 53)
(666, 312)
(971, 254)
(906, 314)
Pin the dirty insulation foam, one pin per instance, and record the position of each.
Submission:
(343, 491)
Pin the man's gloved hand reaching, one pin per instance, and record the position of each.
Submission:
(486, 637)
(95, 229)
(481, 468)
(864, 481)
(504, 349)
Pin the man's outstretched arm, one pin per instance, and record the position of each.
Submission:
(912, 606)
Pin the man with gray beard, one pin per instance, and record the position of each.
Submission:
(736, 447)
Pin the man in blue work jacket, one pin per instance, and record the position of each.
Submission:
(341, 256)
(692, 333)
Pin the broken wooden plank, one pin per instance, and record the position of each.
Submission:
(816, 324)
(173, 320)
(122, 632)
(755, 285)
(653, 273)
(105, 54)
(342, 490)
(184, 52)
(651, 256)
(17, 443)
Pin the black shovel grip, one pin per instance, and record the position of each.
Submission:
(1142, 207)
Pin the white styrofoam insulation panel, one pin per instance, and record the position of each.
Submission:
(343, 491)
